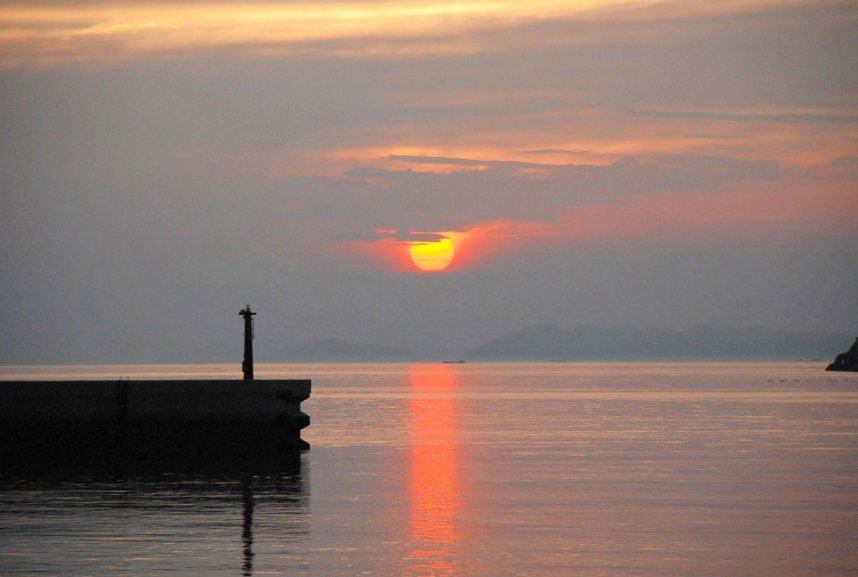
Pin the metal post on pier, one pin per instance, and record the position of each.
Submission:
(247, 364)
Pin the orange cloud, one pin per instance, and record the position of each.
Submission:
(549, 140)
(760, 211)
(765, 212)
(383, 253)
(474, 246)
(49, 33)
(394, 251)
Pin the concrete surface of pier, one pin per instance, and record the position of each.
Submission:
(151, 420)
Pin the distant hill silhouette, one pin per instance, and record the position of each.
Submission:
(339, 350)
(547, 341)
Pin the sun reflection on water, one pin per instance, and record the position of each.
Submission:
(435, 486)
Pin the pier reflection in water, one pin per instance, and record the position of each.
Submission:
(247, 524)
(435, 487)
(192, 522)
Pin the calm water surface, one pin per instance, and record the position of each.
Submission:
(484, 469)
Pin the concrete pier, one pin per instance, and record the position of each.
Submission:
(148, 421)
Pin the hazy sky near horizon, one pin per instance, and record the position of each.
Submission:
(658, 163)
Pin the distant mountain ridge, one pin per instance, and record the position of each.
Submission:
(547, 341)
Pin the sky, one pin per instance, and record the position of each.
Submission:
(660, 163)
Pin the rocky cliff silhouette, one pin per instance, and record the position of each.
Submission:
(847, 361)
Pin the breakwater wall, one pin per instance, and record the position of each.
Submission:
(150, 421)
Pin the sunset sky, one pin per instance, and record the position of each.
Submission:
(613, 163)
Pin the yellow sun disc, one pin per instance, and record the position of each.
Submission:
(432, 256)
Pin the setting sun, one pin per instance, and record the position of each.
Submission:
(432, 256)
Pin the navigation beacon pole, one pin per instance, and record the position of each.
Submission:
(247, 364)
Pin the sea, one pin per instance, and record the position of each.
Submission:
(482, 469)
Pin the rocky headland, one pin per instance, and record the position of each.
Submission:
(847, 361)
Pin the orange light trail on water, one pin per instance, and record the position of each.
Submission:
(435, 488)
